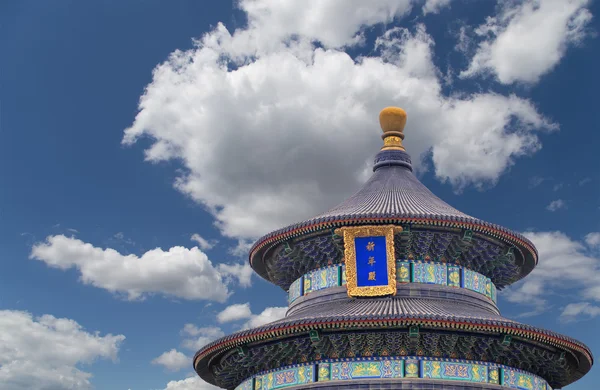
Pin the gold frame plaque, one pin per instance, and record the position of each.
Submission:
(350, 233)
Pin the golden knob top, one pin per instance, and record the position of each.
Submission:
(392, 121)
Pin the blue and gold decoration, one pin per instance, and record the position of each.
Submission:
(474, 281)
(369, 259)
(411, 368)
(335, 275)
(432, 273)
(296, 290)
(286, 378)
(453, 276)
(515, 379)
(468, 372)
(396, 368)
(403, 272)
(367, 369)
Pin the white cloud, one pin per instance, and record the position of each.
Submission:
(242, 272)
(528, 38)
(193, 383)
(334, 23)
(234, 313)
(593, 239)
(573, 310)
(564, 265)
(45, 352)
(178, 272)
(199, 337)
(434, 6)
(204, 243)
(264, 130)
(268, 315)
(556, 205)
(173, 360)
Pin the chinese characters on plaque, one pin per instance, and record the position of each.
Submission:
(370, 261)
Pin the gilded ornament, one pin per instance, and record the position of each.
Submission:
(350, 233)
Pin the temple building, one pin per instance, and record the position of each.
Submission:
(393, 289)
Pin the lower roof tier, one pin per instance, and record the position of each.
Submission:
(353, 328)
(497, 255)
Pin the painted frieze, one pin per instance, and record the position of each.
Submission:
(432, 273)
(289, 377)
(468, 372)
(474, 281)
(296, 290)
(403, 272)
(367, 369)
(453, 276)
(411, 368)
(520, 380)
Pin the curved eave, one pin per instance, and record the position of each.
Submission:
(204, 357)
(260, 249)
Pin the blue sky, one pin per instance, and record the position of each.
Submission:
(115, 152)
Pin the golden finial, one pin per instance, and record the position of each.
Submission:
(392, 121)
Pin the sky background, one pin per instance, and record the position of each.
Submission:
(145, 144)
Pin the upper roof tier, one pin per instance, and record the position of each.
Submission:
(433, 230)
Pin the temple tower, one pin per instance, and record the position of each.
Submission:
(393, 289)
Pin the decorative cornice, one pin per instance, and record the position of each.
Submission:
(513, 329)
(492, 230)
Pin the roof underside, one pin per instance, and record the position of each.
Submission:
(448, 330)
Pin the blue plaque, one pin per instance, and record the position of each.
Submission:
(371, 261)
(370, 265)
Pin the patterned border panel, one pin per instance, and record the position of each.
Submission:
(366, 369)
(468, 372)
(453, 276)
(394, 368)
(288, 377)
(474, 281)
(520, 380)
(432, 273)
(403, 272)
(406, 272)
(296, 290)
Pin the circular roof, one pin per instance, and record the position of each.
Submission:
(394, 195)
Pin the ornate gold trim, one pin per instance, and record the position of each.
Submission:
(350, 233)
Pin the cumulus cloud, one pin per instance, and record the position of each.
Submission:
(593, 239)
(268, 315)
(173, 360)
(565, 264)
(434, 6)
(179, 272)
(196, 338)
(263, 125)
(333, 23)
(556, 205)
(234, 313)
(203, 242)
(242, 311)
(193, 383)
(574, 310)
(528, 38)
(45, 352)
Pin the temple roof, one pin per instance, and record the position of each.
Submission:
(394, 195)
(439, 317)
